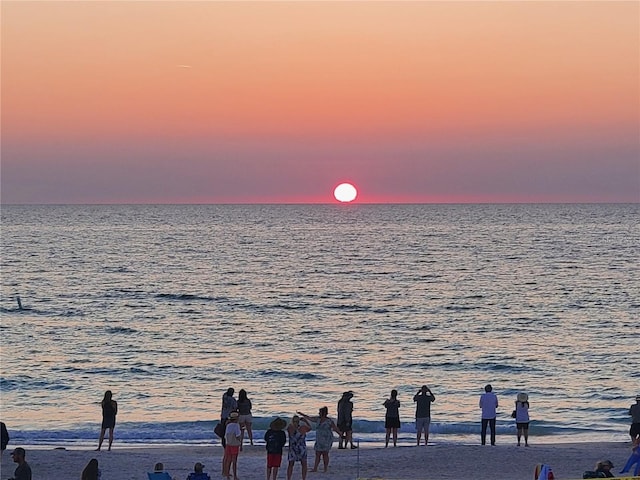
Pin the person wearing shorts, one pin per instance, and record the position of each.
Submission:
(423, 400)
(233, 439)
(245, 419)
(392, 418)
(522, 418)
(275, 440)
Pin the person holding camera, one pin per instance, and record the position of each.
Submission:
(423, 400)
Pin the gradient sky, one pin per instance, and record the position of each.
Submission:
(278, 102)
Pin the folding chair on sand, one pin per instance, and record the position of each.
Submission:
(159, 476)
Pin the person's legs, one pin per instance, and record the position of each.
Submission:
(483, 431)
(492, 426)
(102, 432)
(268, 472)
(426, 431)
(519, 434)
(526, 436)
(386, 440)
(290, 469)
(249, 432)
(325, 460)
(234, 463)
(632, 459)
(226, 463)
(316, 463)
(395, 437)
(303, 463)
(349, 439)
(110, 437)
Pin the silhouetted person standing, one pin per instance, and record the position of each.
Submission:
(109, 412)
(488, 404)
(423, 399)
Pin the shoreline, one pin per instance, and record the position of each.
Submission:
(439, 460)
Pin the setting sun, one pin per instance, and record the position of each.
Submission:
(345, 192)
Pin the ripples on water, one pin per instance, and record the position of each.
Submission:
(169, 305)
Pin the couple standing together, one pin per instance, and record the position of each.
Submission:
(423, 400)
(489, 405)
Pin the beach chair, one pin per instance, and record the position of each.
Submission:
(159, 476)
(198, 476)
(543, 472)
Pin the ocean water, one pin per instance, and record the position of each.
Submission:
(168, 306)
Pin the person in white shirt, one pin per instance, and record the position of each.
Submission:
(233, 437)
(488, 404)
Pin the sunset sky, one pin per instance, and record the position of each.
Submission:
(279, 102)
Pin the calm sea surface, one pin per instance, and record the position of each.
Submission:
(167, 306)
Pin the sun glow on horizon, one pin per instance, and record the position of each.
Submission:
(345, 193)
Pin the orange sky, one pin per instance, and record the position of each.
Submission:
(254, 96)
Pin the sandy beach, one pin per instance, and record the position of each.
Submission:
(441, 461)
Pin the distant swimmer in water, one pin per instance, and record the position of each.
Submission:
(109, 412)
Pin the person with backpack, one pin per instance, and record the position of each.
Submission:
(275, 440)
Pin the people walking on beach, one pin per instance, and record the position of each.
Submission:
(324, 437)
(522, 417)
(4, 436)
(634, 411)
(634, 458)
(297, 430)
(91, 471)
(233, 437)
(345, 420)
(109, 412)
(245, 419)
(392, 418)
(198, 473)
(423, 400)
(275, 440)
(23, 470)
(488, 404)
